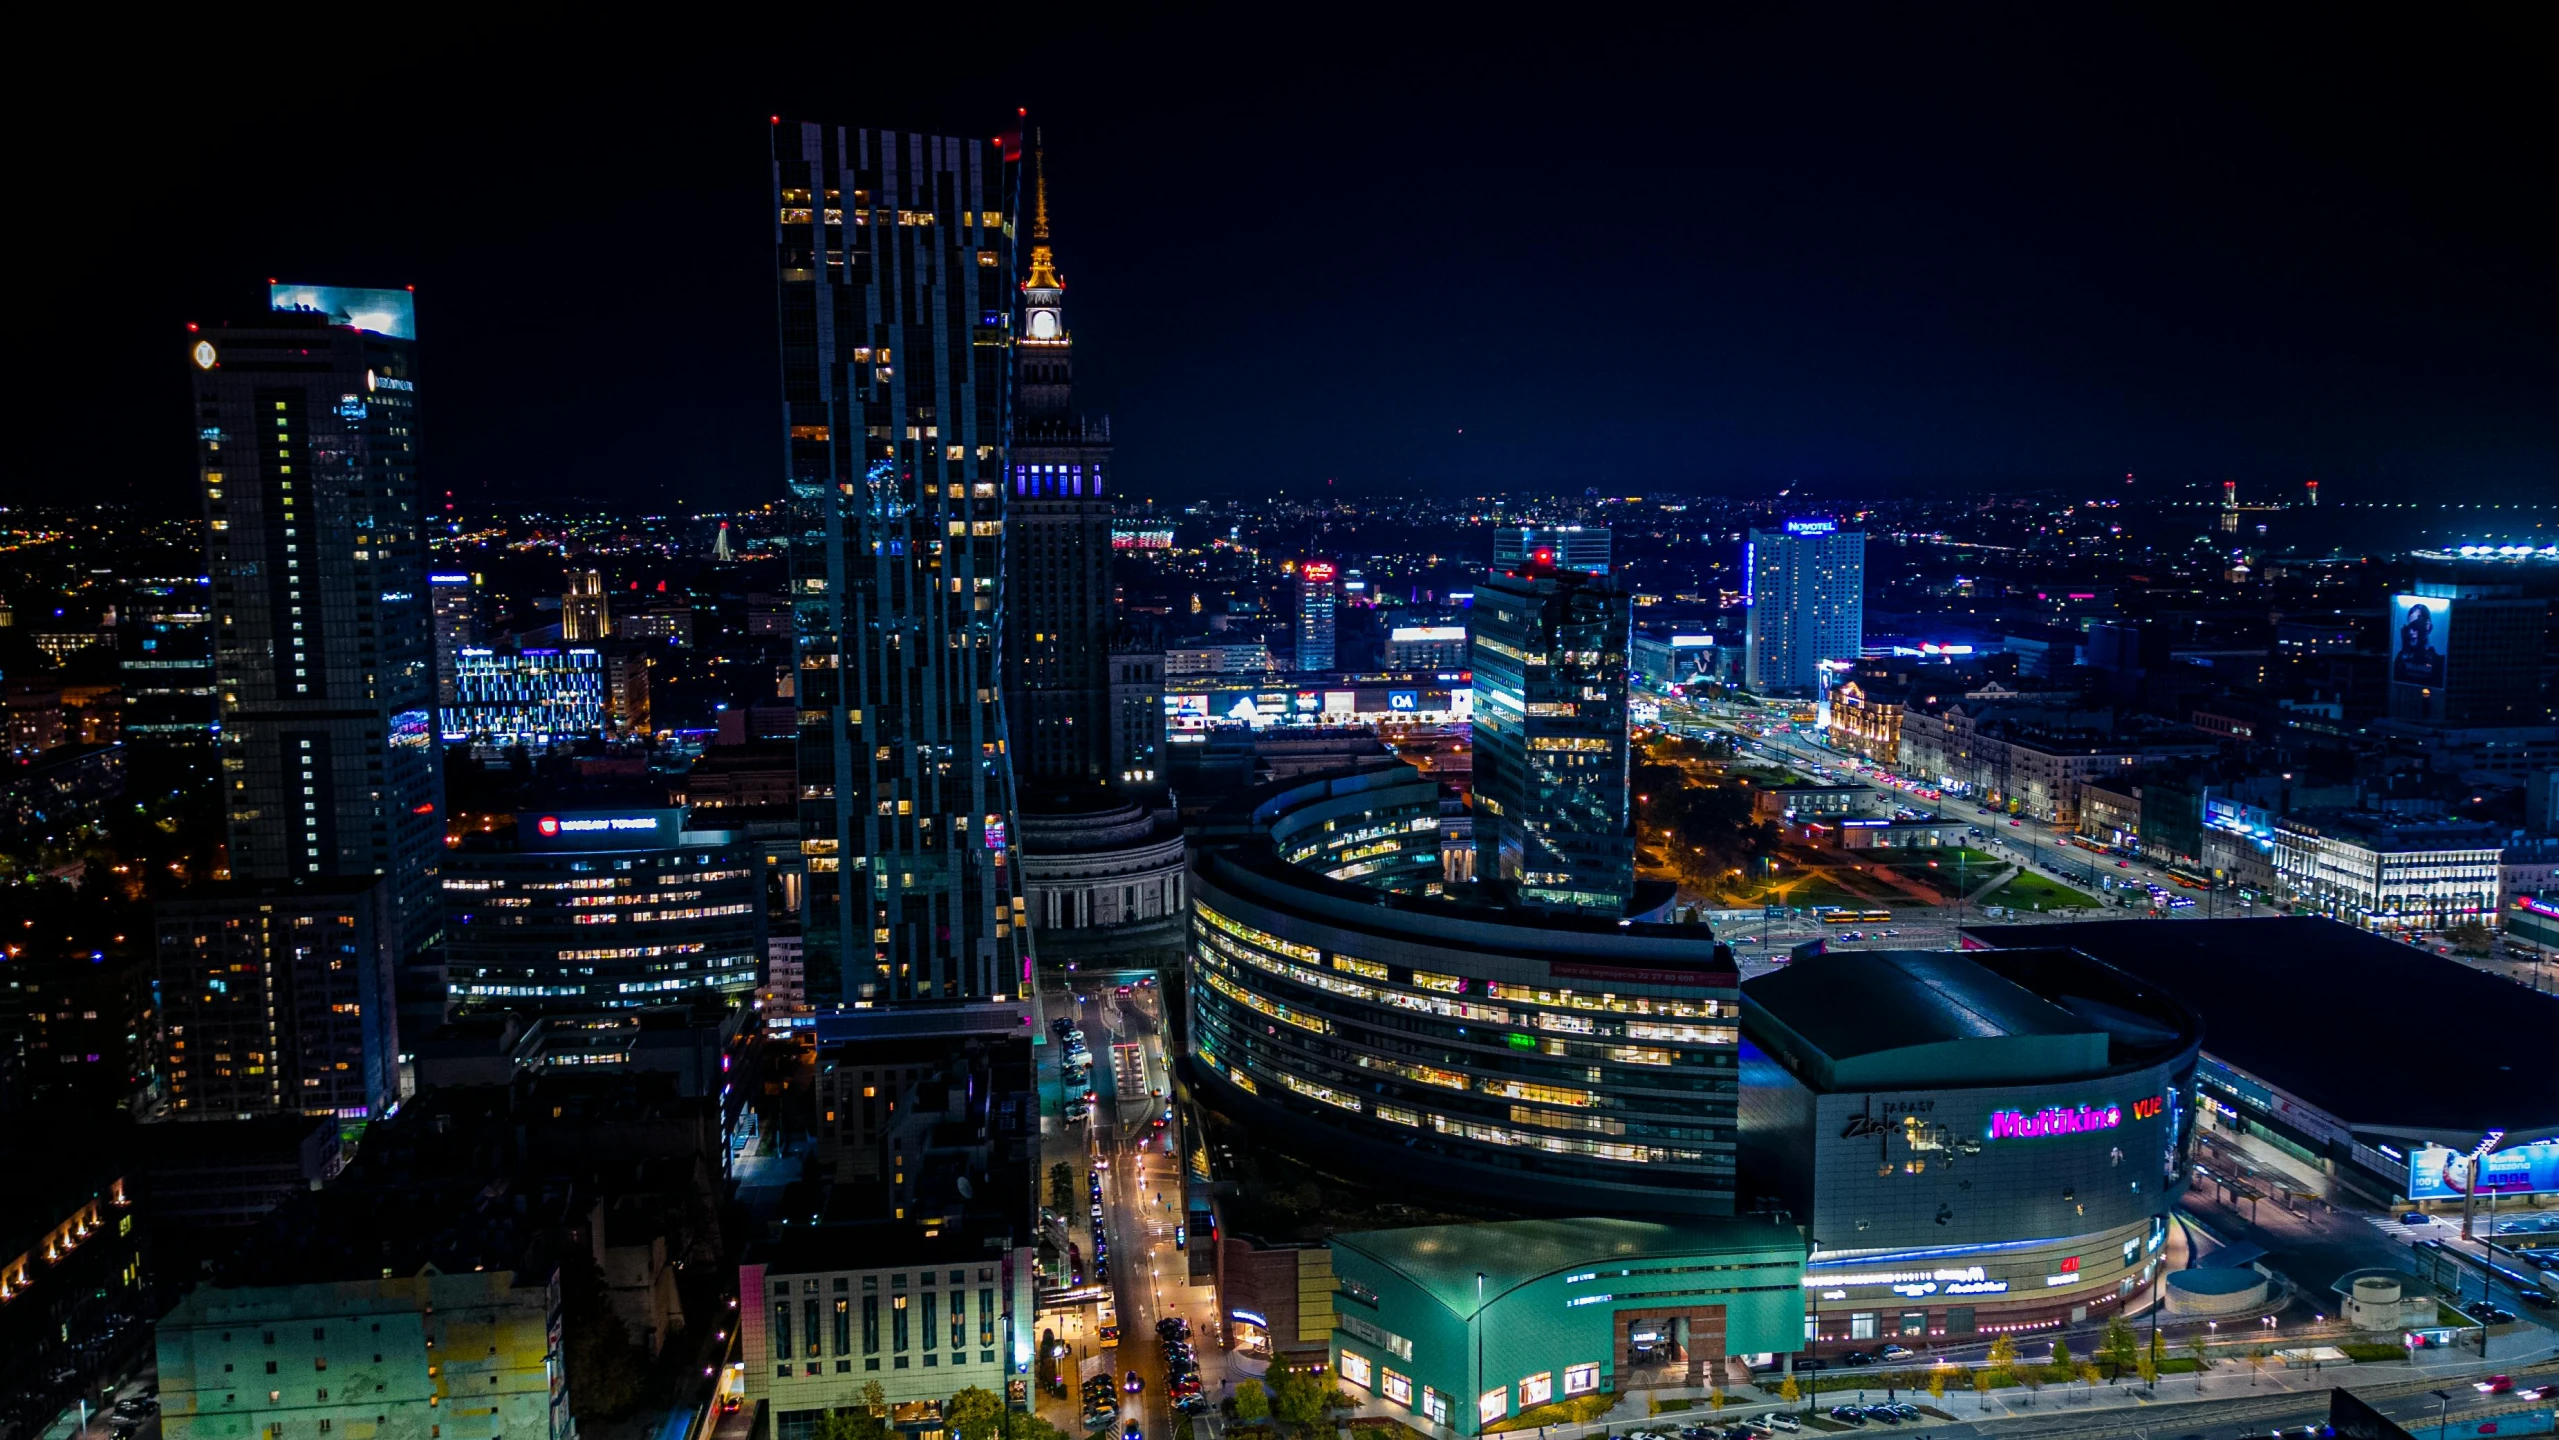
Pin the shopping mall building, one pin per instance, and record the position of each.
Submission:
(1977, 1143)
(1341, 1005)
(1469, 1325)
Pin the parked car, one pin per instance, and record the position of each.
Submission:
(1848, 1415)
(2415, 1217)
(1899, 1352)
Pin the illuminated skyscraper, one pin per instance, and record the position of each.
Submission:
(1566, 547)
(1807, 600)
(1551, 762)
(323, 645)
(894, 277)
(1316, 597)
(456, 611)
(586, 612)
(1057, 592)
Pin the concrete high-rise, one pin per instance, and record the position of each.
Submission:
(1552, 819)
(323, 647)
(1057, 590)
(1807, 603)
(276, 997)
(895, 284)
(1317, 595)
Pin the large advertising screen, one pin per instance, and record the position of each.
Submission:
(2419, 626)
(2436, 1173)
(384, 312)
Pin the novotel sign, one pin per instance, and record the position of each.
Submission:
(1811, 527)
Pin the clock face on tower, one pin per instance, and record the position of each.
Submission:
(1043, 324)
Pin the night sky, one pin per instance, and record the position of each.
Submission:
(1875, 251)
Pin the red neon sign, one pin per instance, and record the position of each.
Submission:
(1320, 571)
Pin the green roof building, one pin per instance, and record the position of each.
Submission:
(1467, 1325)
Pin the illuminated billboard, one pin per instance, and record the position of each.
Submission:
(2419, 627)
(2435, 1173)
(383, 312)
(1319, 572)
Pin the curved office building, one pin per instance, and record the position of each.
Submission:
(1527, 1059)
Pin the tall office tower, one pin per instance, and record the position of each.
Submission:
(586, 613)
(2467, 655)
(277, 997)
(1551, 759)
(167, 673)
(894, 277)
(1566, 547)
(1057, 589)
(1316, 597)
(1807, 603)
(456, 612)
(323, 647)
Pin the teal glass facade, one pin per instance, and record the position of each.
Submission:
(1467, 1325)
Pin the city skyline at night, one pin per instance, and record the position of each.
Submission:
(1746, 724)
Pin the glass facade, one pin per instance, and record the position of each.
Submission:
(895, 282)
(322, 646)
(1575, 1050)
(602, 929)
(1552, 819)
(533, 698)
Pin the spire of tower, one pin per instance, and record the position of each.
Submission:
(1043, 260)
(1039, 183)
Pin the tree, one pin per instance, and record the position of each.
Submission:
(1061, 1188)
(975, 1414)
(1297, 1399)
(2003, 1357)
(2063, 1360)
(1937, 1383)
(1716, 1400)
(1252, 1403)
(2202, 1355)
(1022, 1425)
(605, 1369)
(1790, 1392)
(1981, 1389)
(2472, 937)
(2089, 1374)
(2256, 1363)
(2118, 1347)
(849, 1425)
(2154, 1358)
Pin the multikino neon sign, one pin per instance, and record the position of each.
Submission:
(2054, 1120)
